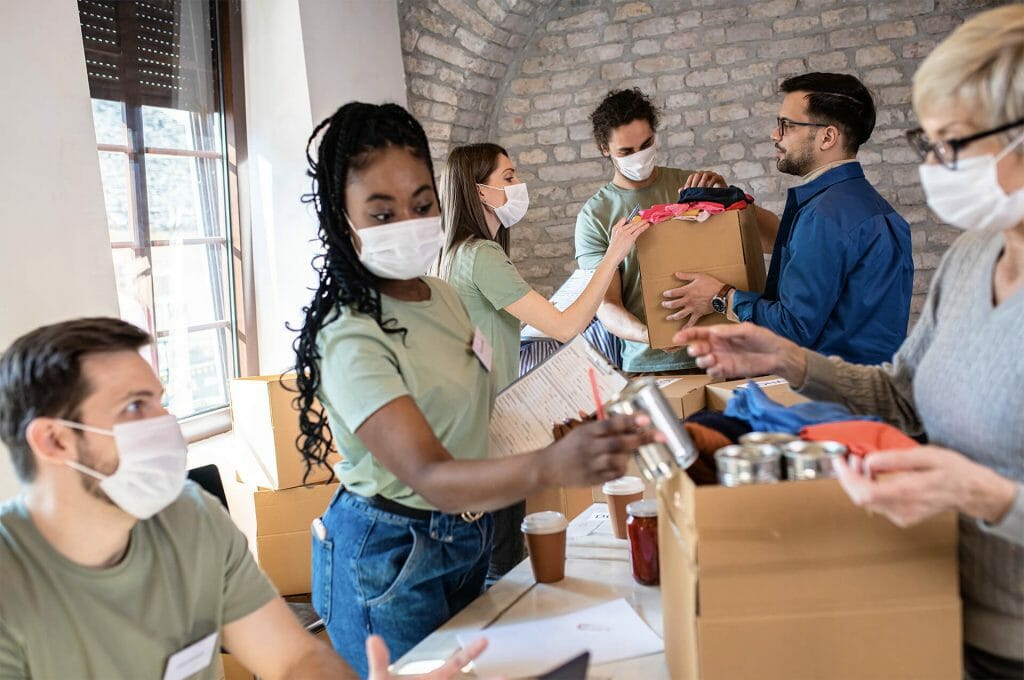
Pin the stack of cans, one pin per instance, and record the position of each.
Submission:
(758, 459)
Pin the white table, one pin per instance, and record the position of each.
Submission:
(596, 571)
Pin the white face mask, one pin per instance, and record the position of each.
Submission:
(517, 202)
(638, 166)
(970, 196)
(401, 250)
(151, 467)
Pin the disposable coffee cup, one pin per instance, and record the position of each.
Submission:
(545, 541)
(620, 493)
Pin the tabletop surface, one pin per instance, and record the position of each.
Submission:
(596, 571)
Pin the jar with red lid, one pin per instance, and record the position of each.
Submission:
(642, 531)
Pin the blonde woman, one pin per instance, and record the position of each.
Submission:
(958, 377)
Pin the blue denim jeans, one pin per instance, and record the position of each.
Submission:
(397, 577)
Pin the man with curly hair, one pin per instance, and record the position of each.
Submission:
(624, 127)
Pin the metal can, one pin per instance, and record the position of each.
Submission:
(776, 438)
(812, 460)
(657, 460)
(740, 464)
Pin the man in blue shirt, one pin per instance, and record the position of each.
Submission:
(841, 273)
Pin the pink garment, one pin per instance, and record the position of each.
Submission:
(667, 211)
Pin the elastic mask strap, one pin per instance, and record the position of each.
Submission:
(75, 465)
(86, 428)
(1010, 147)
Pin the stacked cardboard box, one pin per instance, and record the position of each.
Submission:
(270, 501)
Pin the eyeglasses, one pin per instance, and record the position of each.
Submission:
(947, 150)
(782, 123)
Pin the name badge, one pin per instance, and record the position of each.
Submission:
(482, 349)
(192, 659)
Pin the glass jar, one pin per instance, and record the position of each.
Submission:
(642, 530)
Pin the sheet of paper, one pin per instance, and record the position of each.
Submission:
(610, 632)
(764, 383)
(559, 388)
(567, 294)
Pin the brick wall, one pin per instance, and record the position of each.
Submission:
(527, 73)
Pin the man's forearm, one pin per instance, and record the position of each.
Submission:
(321, 662)
(621, 322)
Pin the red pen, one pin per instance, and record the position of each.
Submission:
(597, 393)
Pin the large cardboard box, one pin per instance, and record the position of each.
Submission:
(685, 393)
(717, 395)
(266, 425)
(276, 523)
(726, 246)
(792, 580)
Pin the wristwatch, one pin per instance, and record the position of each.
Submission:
(720, 302)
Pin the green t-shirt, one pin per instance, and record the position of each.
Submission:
(593, 233)
(487, 282)
(187, 572)
(363, 368)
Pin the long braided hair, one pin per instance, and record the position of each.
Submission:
(350, 138)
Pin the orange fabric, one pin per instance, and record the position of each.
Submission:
(707, 441)
(861, 437)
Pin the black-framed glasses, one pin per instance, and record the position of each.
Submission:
(781, 124)
(947, 150)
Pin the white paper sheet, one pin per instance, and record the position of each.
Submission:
(559, 388)
(566, 294)
(610, 632)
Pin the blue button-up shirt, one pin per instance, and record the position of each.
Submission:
(842, 272)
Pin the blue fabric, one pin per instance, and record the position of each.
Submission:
(842, 271)
(533, 352)
(752, 405)
(400, 578)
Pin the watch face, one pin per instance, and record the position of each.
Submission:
(718, 304)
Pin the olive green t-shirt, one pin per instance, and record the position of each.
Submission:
(187, 572)
(363, 368)
(593, 234)
(487, 282)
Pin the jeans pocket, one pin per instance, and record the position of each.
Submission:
(323, 575)
(392, 556)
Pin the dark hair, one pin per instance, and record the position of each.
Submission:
(837, 99)
(462, 215)
(350, 139)
(40, 376)
(618, 108)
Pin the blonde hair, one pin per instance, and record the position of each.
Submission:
(979, 67)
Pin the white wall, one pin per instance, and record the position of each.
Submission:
(303, 59)
(54, 248)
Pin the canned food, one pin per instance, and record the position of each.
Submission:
(812, 460)
(740, 464)
(657, 460)
(777, 438)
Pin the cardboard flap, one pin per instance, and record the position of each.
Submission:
(677, 557)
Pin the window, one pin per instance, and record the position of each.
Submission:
(155, 82)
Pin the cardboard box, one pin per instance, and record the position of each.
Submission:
(233, 670)
(685, 393)
(717, 395)
(276, 523)
(792, 580)
(266, 425)
(726, 246)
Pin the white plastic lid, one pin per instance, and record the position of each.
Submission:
(547, 522)
(623, 485)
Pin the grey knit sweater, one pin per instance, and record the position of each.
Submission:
(959, 377)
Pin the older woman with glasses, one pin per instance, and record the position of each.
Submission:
(958, 377)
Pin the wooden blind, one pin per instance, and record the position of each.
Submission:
(135, 52)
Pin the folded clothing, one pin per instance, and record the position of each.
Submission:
(731, 428)
(723, 197)
(751, 404)
(859, 436)
(707, 440)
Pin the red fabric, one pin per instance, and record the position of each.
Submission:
(704, 471)
(861, 437)
(666, 211)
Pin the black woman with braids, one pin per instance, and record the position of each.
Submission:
(405, 382)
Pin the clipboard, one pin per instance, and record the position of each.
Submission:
(558, 388)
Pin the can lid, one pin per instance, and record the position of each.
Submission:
(547, 522)
(819, 449)
(646, 508)
(623, 485)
